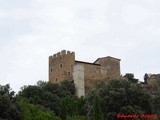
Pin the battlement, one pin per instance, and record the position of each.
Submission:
(61, 55)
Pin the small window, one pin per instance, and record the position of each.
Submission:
(56, 79)
(69, 73)
(51, 69)
(61, 65)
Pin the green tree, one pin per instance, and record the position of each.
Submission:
(77, 118)
(97, 108)
(156, 102)
(119, 96)
(130, 77)
(69, 87)
(63, 112)
(146, 77)
(49, 95)
(36, 112)
(9, 106)
(81, 106)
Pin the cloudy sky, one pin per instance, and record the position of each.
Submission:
(32, 30)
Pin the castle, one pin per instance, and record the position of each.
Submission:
(63, 66)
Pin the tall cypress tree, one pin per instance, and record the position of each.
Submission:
(63, 113)
(97, 108)
(146, 77)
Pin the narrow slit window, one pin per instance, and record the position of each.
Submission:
(61, 65)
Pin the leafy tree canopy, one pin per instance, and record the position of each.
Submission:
(120, 96)
(36, 112)
(9, 107)
(50, 95)
(130, 77)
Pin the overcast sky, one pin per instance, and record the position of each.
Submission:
(32, 30)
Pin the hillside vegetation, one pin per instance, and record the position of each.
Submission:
(48, 101)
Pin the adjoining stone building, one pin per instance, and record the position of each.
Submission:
(63, 66)
(153, 80)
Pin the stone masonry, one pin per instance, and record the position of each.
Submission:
(153, 80)
(63, 66)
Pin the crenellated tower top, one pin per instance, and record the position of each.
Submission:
(62, 55)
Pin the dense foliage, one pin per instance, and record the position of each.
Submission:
(120, 96)
(130, 78)
(97, 108)
(59, 98)
(36, 112)
(50, 101)
(9, 107)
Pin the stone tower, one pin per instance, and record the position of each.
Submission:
(61, 66)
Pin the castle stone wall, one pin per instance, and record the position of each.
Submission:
(61, 66)
(112, 65)
(154, 80)
(78, 76)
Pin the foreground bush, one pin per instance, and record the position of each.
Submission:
(36, 112)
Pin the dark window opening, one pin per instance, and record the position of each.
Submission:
(56, 79)
(51, 69)
(69, 73)
(61, 65)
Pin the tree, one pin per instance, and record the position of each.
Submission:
(49, 95)
(63, 112)
(97, 108)
(131, 78)
(146, 77)
(69, 87)
(156, 101)
(36, 112)
(9, 106)
(121, 96)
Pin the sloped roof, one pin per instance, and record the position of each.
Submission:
(107, 57)
(87, 63)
